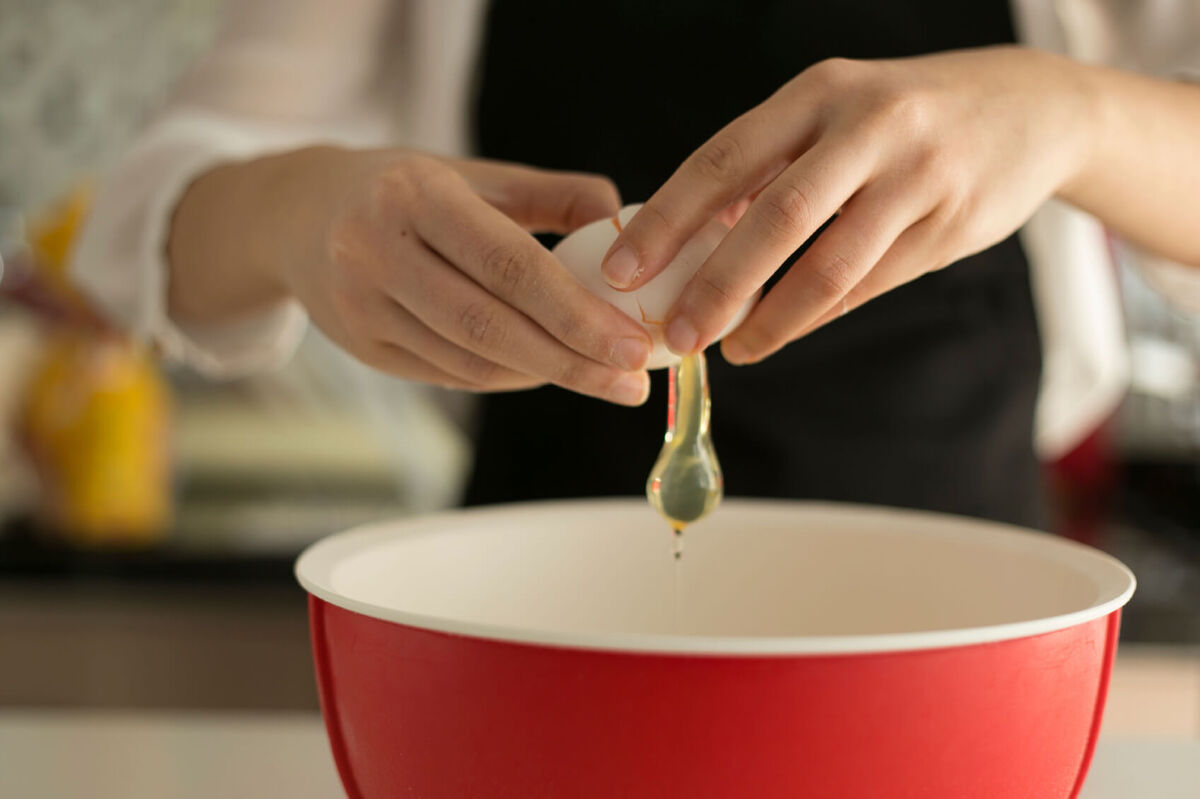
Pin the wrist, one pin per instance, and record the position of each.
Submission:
(245, 232)
(299, 192)
(1094, 121)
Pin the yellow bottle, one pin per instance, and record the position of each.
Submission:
(96, 416)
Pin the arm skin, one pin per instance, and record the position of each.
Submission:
(1142, 178)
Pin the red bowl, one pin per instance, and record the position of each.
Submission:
(812, 650)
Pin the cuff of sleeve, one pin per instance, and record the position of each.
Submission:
(257, 343)
(130, 223)
(1176, 283)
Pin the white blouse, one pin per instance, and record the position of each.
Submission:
(287, 73)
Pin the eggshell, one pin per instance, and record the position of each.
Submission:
(582, 251)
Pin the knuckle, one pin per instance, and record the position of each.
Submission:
(832, 71)
(343, 238)
(944, 167)
(425, 175)
(352, 249)
(904, 110)
(507, 269)
(787, 208)
(959, 206)
(388, 197)
(718, 291)
(835, 275)
(721, 159)
(478, 324)
(399, 179)
(954, 216)
(417, 165)
(652, 215)
(949, 235)
(569, 327)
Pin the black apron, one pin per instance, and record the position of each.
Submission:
(922, 398)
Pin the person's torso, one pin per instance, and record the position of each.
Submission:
(923, 397)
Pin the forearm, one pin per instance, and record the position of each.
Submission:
(238, 224)
(1142, 172)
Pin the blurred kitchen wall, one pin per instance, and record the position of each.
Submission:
(78, 78)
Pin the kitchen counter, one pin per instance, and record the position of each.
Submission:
(103, 755)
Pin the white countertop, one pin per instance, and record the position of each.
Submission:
(68, 754)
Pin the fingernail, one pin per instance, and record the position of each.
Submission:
(631, 353)
(621, 268)
(631, 389)
(681, 336)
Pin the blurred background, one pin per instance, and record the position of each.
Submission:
(149, 520)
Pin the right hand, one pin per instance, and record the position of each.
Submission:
(428, 272)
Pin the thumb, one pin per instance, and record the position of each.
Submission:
(545, 201)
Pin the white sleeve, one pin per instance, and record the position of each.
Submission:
(1153, 37)
(281, 74)
(1085, 356)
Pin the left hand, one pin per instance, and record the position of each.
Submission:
(927, 160)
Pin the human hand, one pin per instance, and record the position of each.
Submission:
(429, 272)
(924, 160)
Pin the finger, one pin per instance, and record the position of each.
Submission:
(404, 363)
(495, 253)
(842, 256)
(460, 310)
(400, 362)
(731, 214)
(783, 216)
(400, 329)
(921, 249)
(542, 200)
(909, 257)
(741, 157)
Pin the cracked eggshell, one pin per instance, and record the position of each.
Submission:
(582, 251)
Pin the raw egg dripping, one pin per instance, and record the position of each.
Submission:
(685, 484)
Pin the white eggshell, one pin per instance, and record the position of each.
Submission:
(582, 251)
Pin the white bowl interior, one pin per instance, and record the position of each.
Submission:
(755, 577)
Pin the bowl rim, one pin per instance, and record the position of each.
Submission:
(314, 571)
